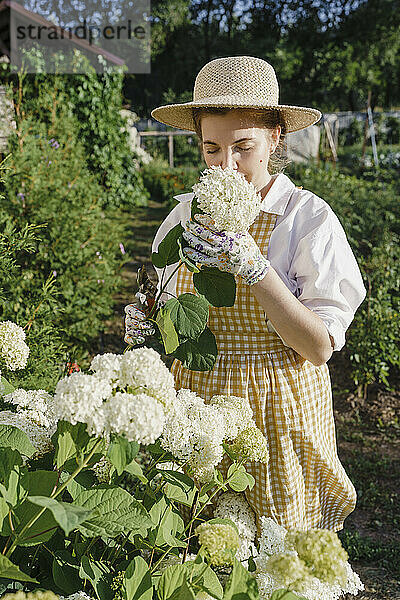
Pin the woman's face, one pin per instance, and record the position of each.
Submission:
(235, 140)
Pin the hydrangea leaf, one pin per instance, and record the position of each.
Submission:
(67, 515)
(69, 441)
(11, 571)
(204, 578)
(180, 486)
(12, 437)
(121, 452)
(189, 314)
(168, 251)
(241, 584)
(99, 576)
(167, 330)
(217, 286)
(65, 572)
(239, 479)
(137, 582)
(9, 458)
(169, 524)
(200, 354)
(171, 585)
(116, 511)
(5, 386)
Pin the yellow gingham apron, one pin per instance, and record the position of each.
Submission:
(304, 485)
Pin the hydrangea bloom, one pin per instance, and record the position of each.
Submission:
(252, 444)
(14, 351)
(234, 506)
(79, 398)
(220, 542)
(139, 417)
(293, 560)
(237, 412)
(228, 198)
(40, 437)
(143, 370)
(36, 405)
(107, 366)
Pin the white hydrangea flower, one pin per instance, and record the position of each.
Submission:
(237, 413)
(79, 398)
(273, 544)
(143, 370)
(13, 350)
(139, 417)
(194, 430)
(102, 469)
(234, 506)
(37, 405)
(228, 198)
(40, 437)
(107, 366)
(77, 596)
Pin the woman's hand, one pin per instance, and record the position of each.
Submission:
(137, 328)
(236, 253)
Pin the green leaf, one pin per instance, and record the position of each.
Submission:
(99, 576)
(83, 481)
(116, 511)
(12, 437)
(9, 458)
(70, 441)
(135, 469)
(239, 479)
(65, 572)
(5, 386)
(168, 251)
(241, 584)
(171, 583)
(35, 483)
(11, 571)
(137, 582)
(200, 354)
(67, 515)
(180, 487)
(168, 332)
(169, 524)
(13, 493)
(217, 286)
(189, 314)
(189, 264)
(204, 578)
(121, 452)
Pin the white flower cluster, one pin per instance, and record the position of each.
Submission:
(279, 565)
(234, 506)
(35, 416)
(14, 351)
(227, 197)
(194, 431)
(128, 394)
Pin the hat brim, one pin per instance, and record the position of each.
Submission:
(181, 117)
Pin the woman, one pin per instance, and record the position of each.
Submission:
(298, 287)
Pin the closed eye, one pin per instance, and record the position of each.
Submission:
(240, 150)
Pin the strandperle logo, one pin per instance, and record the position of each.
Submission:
(49, 38)
(83, 32)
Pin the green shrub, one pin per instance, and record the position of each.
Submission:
(368, 213)
(49, 182)
(163, 182)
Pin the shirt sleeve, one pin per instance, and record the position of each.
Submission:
(175, 216)
(329, 281)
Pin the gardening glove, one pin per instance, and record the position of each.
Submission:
(136, 326)
(236, 253)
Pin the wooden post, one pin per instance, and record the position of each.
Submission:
(366, 128)
(171, 149)
(330, 140)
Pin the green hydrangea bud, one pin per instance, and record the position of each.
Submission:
(220, 540)
(35, 595)
(322, 552)
(289, 570)
(251, 444)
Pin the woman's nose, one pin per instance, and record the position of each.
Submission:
(228, 161)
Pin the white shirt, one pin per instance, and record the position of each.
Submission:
(308, 249)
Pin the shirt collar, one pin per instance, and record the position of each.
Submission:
(275, 201)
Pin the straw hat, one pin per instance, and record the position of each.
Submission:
(237, 82)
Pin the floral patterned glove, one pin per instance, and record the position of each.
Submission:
(236, 253)
(136, 326)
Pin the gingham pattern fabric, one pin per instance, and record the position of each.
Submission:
(304, 485)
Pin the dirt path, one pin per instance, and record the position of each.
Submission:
(368, 438)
